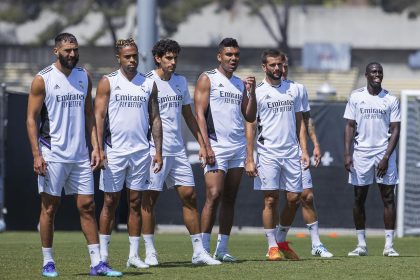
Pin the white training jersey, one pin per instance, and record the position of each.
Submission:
(373, 116)
(225, 124)
(62, 131)
(127, 120)
(276, 119)
(303, 94)
(172, 95)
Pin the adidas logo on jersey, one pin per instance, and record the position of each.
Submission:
(56, 86)
(220, 85)
(117, 88)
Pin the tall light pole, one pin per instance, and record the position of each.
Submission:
(146, 33)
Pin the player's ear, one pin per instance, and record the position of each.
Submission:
(118, 58)
(55, 51)
(157, 59)
(219, 57)
(263, 67)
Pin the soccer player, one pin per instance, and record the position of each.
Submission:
(373, 126)
(127, 102)
(281, 150)
(307, 197)
(174, 100)
(61, 95)
(221, 99)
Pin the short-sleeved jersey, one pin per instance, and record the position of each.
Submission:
(373, 116)
(62, 131)
(127, 120)
(172, 95)
(303, 94)
(276, 119)
(225, 124)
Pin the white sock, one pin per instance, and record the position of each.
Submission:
(47, 253)
(313, 230)
(270, 234)
(134, 246)
(222, 243)
(197, 243)
(389, 236)
(361, 237)
(149, 242)
(282, 233)
(205, 237)
(104, 241)
(95, 256)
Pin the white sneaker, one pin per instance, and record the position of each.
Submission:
(204, 258)
(136, 262)
(321, 251)
(224, 257)
(359, 251)
(390, 252)
(151, 258)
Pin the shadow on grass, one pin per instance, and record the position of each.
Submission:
(125, 273)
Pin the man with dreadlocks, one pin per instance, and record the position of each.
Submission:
(125, 106)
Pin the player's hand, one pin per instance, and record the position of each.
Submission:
(250, 84)
(40, 166)
(382, 167)
(202, 155)
(250, 168)
(317, 155)
(305, 160)
(104, 160)
(95, 161)
(348, 162)
(157, 163)
(211, 157)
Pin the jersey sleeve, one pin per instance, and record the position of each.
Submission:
(305, 99)
(187, 98)
(349, 113)
(298, 103)
(395, 111)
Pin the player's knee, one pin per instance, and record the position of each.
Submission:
(49, 210)
(293, 198)
(307, 199)
(213, 196)
(271, 202)
(86, 206)
(110, 202)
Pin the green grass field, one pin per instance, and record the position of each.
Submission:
(20, 258)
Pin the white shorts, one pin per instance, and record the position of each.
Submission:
(306, 179)
(133, 169)
(75, 178)
(176, 171)
(365, 168)
(280, 173)
(228, 161)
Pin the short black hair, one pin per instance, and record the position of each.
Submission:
(163, 46)
(121, 43)
(226, 43)
(370, 64)
(66, 37)
(271, 53)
